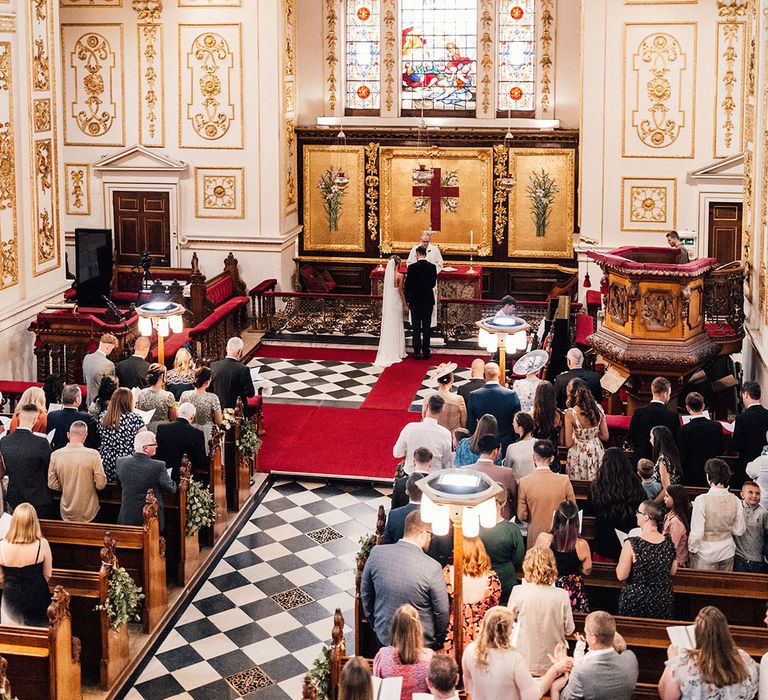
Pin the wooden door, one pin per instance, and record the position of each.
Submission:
(142, 222)
(725, 231)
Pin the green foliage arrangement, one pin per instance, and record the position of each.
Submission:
(367, 543)
(249, 442)
(123, 598)
(201, 508)
(400, 469)
(320, 673)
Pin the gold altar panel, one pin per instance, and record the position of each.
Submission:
(466, 173)
(528, 166)
(334, 220)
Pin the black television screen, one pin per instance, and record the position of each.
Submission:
(93, 265)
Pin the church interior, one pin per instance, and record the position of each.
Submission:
(193, 171)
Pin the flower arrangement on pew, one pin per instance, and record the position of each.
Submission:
(123, 598)
(201, 507)
(320, 673)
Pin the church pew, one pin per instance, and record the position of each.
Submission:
(237, 469)
(141, 550)
(44, 663)
(581, 491)
(217, 482)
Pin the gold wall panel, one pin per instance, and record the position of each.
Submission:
(558, 164)
(210, 86)
(91, 3)
(209, 3)
(729, 93)
(78, 188)
(334, 221)
(220, 193)
(94, 88)
(648, 204)
(151, 85)
(290, 195)
(404, 214)
(659, 90)
(9, 237)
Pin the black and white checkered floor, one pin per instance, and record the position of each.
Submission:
(317, 382)
(260, 620)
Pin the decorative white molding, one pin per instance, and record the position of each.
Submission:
(138, 158)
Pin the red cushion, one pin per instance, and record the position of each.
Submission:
(222, 311)
(220, 291)
(9, 387)
(594, 298)
(255, 404)
(585, 326)
(618, 422)
(70, 293)
(262, 287)
(719, 330)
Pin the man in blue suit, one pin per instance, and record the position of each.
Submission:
(500, 402)
(393, 531)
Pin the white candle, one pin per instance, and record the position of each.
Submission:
(471, 240)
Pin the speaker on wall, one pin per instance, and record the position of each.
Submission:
(93, 265)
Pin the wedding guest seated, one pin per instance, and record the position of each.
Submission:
(585, 429)
(118, 426)
(32, 396)
(395, 527)
(613, 500)
(108, 386)
(494, 668)
(715, 668)
(405, 657)
(497, 400)
(548, 420)
(25, 461)
(677, 521)
(443, 678)
(61, 420)
(540, 493)
(519, 457)
(77, 472)
(182, 377)
(749, 428)
(176, 439)
(572, 555)
(454, 413)
(475, 381)
(647, 564)
(468, 449)
(751, 546)
(544, 612)
(355, 680)
(156, 398)
(481, 592)
(647, 417)
(757, 470)
(231, 379)
(716, 518)
(667, 465)
(428, 433)
(422, 464)
(603, 673)
(575, 359)
(490, 449)
(401, 573)
(132, 371)
(646, 471)
(504, 545)
(137, 474)
(207, 405)
(26, 564)
(698, 440)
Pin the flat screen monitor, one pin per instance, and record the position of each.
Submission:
(93, 265)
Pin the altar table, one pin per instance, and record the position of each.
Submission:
(455, 283)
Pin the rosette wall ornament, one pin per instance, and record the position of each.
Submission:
(148, 9)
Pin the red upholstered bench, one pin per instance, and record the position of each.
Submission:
(12, 391)
(618, 422)
(719, 330)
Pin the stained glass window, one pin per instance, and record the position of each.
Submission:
(438, 55)
(362, 38)
(517, 53)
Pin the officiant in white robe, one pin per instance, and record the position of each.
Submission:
(435, 257)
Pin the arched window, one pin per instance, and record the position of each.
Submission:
(516, 57)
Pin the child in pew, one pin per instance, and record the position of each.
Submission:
(750, 547)
(645, 472)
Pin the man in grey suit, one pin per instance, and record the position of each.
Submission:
(97, 364)
(602, 674)
(400, 573)
(138, 473)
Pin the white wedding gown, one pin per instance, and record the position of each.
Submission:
(392, 338)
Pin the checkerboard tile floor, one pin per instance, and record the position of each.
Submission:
(461, 375)
(259, 621)
(342, 384)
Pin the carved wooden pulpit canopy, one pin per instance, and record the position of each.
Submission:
(654, 317)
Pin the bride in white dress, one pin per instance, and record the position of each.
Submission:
(392, 338)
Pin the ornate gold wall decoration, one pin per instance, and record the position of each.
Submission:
(219, 193)
(148, 10)
(500, 195)
(648, 204)
(9, 268)
(729, 108)
(751, 138)
(289, 107)
(372, 189)
(43, 146)
(486, 61)
(94, 93)
(209, 3)
(659, 90)
(91, 3)
(151, 85)
(211, 86)
(331, 58)
(7, 24)
(78, 179)
(545, 60)
(389, 10)
(291, 199)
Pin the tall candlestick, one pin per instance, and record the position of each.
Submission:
(471, 240)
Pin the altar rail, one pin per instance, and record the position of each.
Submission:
(347, 314)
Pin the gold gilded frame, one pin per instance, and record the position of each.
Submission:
(666, 225)
(352, 220)
(520, 223)
(483, 230)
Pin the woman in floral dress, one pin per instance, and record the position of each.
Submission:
(117, 426)
(156, 398)
(206, 403)
(585, 428)
(481, 591)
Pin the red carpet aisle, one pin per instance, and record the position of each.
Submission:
(331, 441)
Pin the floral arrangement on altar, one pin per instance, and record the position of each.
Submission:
(541, 192)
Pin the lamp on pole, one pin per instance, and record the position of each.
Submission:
(500, 333)
(165, 317)
(467, 499)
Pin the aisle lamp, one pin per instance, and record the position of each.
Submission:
(502, 333)
(165, 317)
(467, 499)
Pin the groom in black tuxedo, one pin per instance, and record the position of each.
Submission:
(419, 283)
